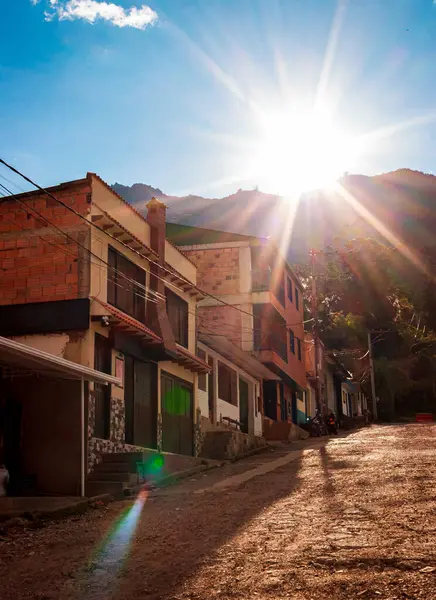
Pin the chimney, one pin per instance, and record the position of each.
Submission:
(157, 317)
(156, 217)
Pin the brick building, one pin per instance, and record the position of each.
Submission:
(263, 310)
(117, 297)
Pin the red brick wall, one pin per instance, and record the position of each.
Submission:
(37, 262)
(221, 320)
(218, 270)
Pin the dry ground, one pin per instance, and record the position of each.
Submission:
(352, 518)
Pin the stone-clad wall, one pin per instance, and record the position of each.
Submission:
(116, 441)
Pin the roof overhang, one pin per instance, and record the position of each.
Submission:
(178, 280)
(118, 320)
(116, 230)
(237, 356)
(23, 358)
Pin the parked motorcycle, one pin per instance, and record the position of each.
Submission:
(318, 426)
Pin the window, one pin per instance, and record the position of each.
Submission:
(227, 384)
(269, 330)
(290, 295)
(281, 292)
(292, 341)
(121, 289)
(297, 299)
(299, 348)
(177, 310)
(202, 377)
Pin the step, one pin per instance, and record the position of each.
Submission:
(171, 462)
(114, 488)
(114, 467)
(126, 477)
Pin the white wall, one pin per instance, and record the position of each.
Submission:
(203, 402)
(225, 409)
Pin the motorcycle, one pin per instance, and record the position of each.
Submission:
(318, 426)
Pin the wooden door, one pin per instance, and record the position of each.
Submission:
(145, 405)
(243, 404)
(102, 393)
(140, 401)
(177, 415)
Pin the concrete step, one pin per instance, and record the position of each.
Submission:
(114, 488)
(123, 477)
(171, 462)
(114, 467)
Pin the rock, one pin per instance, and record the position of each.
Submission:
(427, 570)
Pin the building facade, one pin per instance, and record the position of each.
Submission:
(256, 301)
(88, 278)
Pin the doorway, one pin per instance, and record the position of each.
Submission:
(177, 415)
(140, 400)
(243, 404)
(102, 393)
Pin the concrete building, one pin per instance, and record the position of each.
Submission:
(87, 278)
(257, 305)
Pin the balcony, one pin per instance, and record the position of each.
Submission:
(261, 280)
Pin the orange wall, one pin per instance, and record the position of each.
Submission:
(221, 320)
(38, 263)
(294, 319)
(218, 269)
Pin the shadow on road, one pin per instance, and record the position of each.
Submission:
(177, 536)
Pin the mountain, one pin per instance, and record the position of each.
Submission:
(396, 205)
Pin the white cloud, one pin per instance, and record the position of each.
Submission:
(92, 10)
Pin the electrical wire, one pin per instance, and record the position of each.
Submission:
(216, 298)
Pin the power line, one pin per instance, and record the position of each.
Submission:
(64, 233)
(216, 298)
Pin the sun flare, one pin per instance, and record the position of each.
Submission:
(300, 152)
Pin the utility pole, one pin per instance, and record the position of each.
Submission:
(371, 367)
(315, 332)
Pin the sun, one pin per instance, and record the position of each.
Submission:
(300, 151)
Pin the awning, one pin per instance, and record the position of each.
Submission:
(237, 356)
(21, 357)
(122, 322)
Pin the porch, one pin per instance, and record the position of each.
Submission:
(43, 403)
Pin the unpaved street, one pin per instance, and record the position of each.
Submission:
(351, 518)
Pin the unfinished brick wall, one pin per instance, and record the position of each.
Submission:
(221, 320)
(37, 262)
(218, 270)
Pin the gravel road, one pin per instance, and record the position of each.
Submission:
(351, 517)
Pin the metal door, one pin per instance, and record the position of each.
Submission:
(177, 415)
(145, 413)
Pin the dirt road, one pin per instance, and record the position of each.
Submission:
(353, 518)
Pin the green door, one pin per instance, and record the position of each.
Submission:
(177, 415)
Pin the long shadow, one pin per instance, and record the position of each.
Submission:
(177, 535)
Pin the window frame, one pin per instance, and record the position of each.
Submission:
(299, 349)
(292, 341)
(290, 290)
(229, 395)
(117, 291)
(180, 329)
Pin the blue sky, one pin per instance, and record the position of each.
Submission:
(169, 104)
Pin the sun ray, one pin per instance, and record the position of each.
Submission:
(330, 53)
(381, 228)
